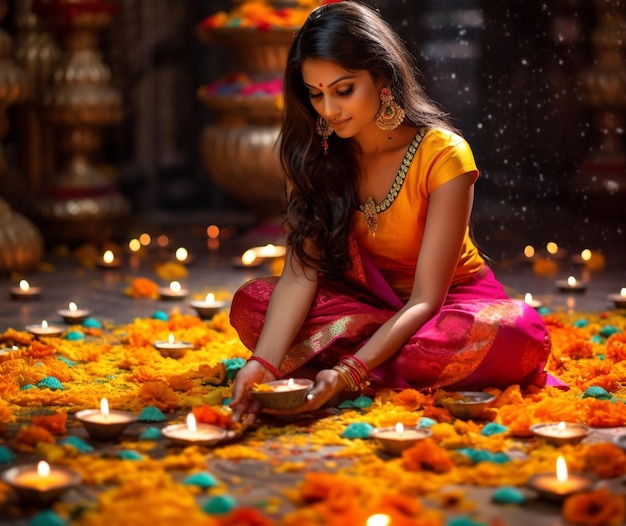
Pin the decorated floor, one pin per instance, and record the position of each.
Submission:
(321, 469)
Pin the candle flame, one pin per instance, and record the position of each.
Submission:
(290, 383)
(104, 407)
(210, 297)
(43, 468)
(561, 427)
(622, 292)
(399, 428)
(44, 324)
(24, 286)
(378, 519)
(248, 257)
(552, 248)
(170, 338)
(571, 281)
(145, 239)
(561, 469)
(181, 254)
(72, 306)
(175, 286)
(191, 423)
(134, 245)
(108, 257)
(585, 255)
(528, 297)
(529, 251)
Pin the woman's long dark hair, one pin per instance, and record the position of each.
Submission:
(322, 188)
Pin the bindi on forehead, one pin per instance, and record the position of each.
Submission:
(321, 85)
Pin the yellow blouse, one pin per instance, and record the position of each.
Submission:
(441, 156)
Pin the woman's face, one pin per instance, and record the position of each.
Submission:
(348, 100)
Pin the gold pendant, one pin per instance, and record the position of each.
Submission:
(371, 217)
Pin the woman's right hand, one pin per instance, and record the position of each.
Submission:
(242, 402)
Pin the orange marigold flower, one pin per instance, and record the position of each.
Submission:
(604, 413)
(595, 508)
(29, 436)
(616, 346)
(398, 504)
(160, 395)
(205, 414)
(53, 423)
(143, 288)
(39, 350)
(605, 459)
(320, 486)
(427, 455)
(411, 399)
(13, 337)
(180, 383)
(245, 517)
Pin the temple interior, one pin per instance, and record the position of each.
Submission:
(146, 130)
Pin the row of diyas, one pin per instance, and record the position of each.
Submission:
(42, 484)
(554, 251)
(572, 286)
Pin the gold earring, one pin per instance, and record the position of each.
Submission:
(324, 130)
(391, 114)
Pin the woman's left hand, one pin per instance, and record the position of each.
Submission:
(328, 384)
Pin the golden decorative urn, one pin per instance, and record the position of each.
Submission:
(80, 202)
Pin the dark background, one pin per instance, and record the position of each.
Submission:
(510, 74)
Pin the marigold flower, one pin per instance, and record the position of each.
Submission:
(53, 423)
(160, 395)
(595, 508)
(411, 399)
(427, 455)
(39, 350)
(606, 459)
(143, 288)
(29, 436)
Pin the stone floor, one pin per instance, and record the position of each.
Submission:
(501, 235)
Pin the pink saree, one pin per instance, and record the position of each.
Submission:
(480, 338)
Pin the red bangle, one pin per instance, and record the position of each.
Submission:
(267, 365)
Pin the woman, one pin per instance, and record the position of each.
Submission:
(382, 282)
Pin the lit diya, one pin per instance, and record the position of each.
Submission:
(557, 486)
(73, 314)
(619, 300)
(534, 303)
(192, 433)
(40, 484)
(105, 424)
(561, 433)
(175, 291)
(466, 404)
(572, 285)
(172, 348)
(208, 307)
(282, 394)
(395, 440)
(24, 291)
(109, 260)
(44, 329)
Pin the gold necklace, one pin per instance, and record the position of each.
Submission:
(370, 209)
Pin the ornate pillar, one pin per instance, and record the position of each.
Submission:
(80, 201)
(603, 174)
(21, 246)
